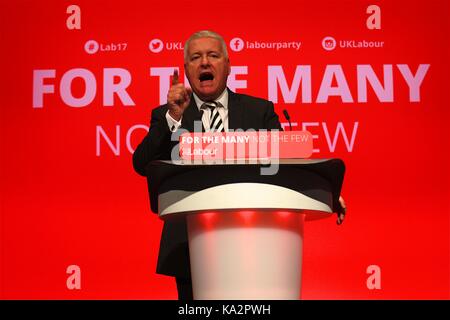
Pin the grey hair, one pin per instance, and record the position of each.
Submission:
(205, 34)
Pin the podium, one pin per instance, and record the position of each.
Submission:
(245, 229)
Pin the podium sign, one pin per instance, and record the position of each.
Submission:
(246, 145)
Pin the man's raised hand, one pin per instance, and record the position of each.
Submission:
(178, 97)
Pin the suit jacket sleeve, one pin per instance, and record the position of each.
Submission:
(271, 118)
(156, 145)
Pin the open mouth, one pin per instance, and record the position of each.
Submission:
(205, 76)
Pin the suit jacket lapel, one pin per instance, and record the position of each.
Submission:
(190, 115)
(235, 111)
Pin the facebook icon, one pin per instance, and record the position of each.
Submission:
(237, 44)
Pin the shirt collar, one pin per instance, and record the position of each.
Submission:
(223, 99)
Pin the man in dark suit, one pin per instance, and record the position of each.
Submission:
(207, 67)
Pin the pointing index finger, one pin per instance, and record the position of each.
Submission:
(175, 77)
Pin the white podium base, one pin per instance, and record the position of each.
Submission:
(246, 254)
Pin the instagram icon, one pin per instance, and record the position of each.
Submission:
(328, 43)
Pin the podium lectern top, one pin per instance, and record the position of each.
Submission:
(320, 180)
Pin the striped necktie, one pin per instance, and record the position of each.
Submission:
(215, 121)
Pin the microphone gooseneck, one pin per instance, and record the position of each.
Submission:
(288, 118)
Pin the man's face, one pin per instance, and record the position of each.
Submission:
(206, 68)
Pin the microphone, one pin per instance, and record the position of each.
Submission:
(286, 115)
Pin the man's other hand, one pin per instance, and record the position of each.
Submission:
(341, 211)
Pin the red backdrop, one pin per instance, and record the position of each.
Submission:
(69, 195)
